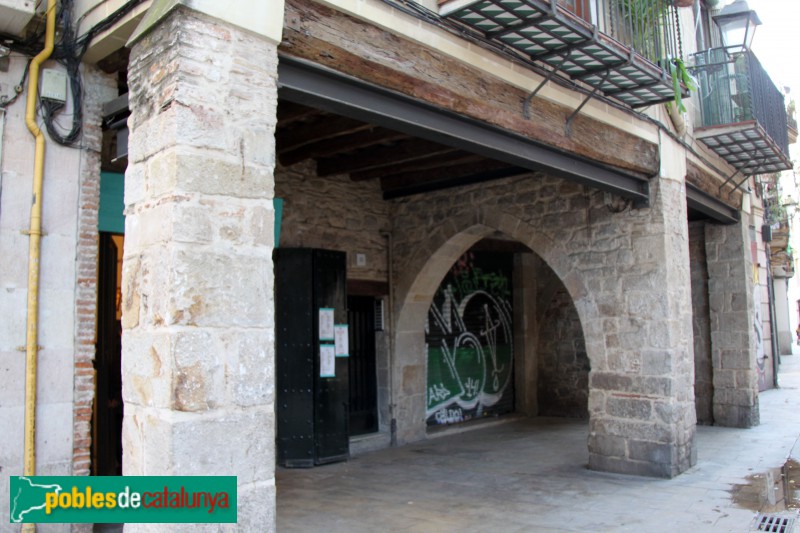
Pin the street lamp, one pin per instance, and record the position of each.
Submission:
(737, 25)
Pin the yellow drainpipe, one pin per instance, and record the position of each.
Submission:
(35, 233)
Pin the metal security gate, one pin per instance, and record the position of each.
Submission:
(363, 371)
(470, 341)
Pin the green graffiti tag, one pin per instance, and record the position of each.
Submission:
(470, 351)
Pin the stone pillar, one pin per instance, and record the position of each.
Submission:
(731, 309)
(641, 400)
(703, 370)
(197, 288)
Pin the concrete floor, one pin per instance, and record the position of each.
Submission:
(530, 475)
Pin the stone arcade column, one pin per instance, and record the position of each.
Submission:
(641, 398)
(197, 288)
(732, 314)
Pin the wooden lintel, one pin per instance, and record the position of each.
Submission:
(320, 34)
(710, 184)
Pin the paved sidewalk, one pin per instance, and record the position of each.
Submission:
(530, 475)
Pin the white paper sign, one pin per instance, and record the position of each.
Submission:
(327, 361)
(342, 343)
(325, 324)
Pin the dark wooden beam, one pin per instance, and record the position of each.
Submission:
(322, 35)
(461, 181)
(326, 127)
(343, 143)
(384, 156)
(452, 172)
(455, 158)
(289, 112)
(710, 184)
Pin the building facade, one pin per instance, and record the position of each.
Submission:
(524, 227)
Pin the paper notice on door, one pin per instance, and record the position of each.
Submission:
(325, 324)
(342, 343)
(327, 361)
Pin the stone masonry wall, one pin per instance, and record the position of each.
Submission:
(731, 311)
(197, 285)
(703, 370)
(334, 213)
(627, 271)
(563, 387)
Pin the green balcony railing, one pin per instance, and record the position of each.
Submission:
(736, 89)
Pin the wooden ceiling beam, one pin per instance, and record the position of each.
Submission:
(289, 112)
(383, 156)
(328, 127)
(452, 172)
(455, 158)
(344, 143)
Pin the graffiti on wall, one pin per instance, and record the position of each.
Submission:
(469, 333)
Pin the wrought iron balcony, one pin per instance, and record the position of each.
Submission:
(619, 47)
(743, 117)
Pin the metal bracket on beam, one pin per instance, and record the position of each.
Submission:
(526, 104)
(741, 182)
(568, 124)
(727, 181)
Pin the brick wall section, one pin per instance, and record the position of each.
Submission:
(703, 370)
(731, 311)
(627, 271)
(197, 284)
(98, 89)
(334, 213)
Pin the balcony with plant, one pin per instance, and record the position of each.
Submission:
(629, 50)
(742, 115)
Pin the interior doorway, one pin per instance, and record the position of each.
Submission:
(363, 368)
(108, 406)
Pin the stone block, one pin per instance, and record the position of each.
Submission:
(656, 362)
(627, 466)
(629, 408)
(147, 369)
(238, 442)
(652, 452)
(256, 511)
(608, 446)
(250, 367)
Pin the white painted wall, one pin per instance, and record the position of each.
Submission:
(57, 297)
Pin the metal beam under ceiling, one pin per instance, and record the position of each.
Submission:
(313, 85)
(711, 207)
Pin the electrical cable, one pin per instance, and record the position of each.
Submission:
(68, 52)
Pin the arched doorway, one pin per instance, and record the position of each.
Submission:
(417, 290)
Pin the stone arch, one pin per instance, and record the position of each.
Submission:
(422, 273)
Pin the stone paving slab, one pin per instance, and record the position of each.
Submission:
(530, 475)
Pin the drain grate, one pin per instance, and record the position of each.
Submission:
(774, 523)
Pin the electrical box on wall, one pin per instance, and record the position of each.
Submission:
(54, 85)
(15, 15)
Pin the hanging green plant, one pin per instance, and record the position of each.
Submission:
(679, 73)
